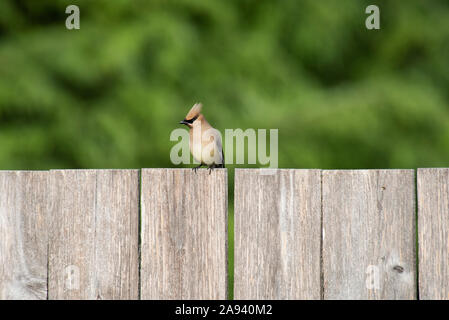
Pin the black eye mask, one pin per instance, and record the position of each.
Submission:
(191, 120)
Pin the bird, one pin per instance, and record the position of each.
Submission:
(205, 141)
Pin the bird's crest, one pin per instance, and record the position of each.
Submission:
(195, 111)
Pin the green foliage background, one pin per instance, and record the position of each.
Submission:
(109, 95)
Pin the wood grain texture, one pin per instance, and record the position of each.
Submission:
(23, 234)
(277, 234)
(433, 233)
(94, 234)
(184, 234)
(369, 234)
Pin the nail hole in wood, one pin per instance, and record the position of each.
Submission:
(398, 269)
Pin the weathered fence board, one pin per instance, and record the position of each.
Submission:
(81, 228)
(184, 234)
(277, 234)
(369, 234)
(94, 234)
(433, 233)
(23, 234)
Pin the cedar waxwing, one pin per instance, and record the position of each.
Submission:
(205, 141)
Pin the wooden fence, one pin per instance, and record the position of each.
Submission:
(162, 234)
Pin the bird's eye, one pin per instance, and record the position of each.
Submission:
(191, 120)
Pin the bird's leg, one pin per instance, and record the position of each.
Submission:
(211, 167)
(196, 168)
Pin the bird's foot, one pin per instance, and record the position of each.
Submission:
(196, 168)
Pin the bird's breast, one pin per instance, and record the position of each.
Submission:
(205, 149)
(196, 150)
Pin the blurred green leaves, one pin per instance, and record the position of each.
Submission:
(108, 95)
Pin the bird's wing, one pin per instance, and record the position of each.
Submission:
(216, 154)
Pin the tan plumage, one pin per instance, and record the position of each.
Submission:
(205, 141)
(195, 111)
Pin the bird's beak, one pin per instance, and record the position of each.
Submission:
(184, 122)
